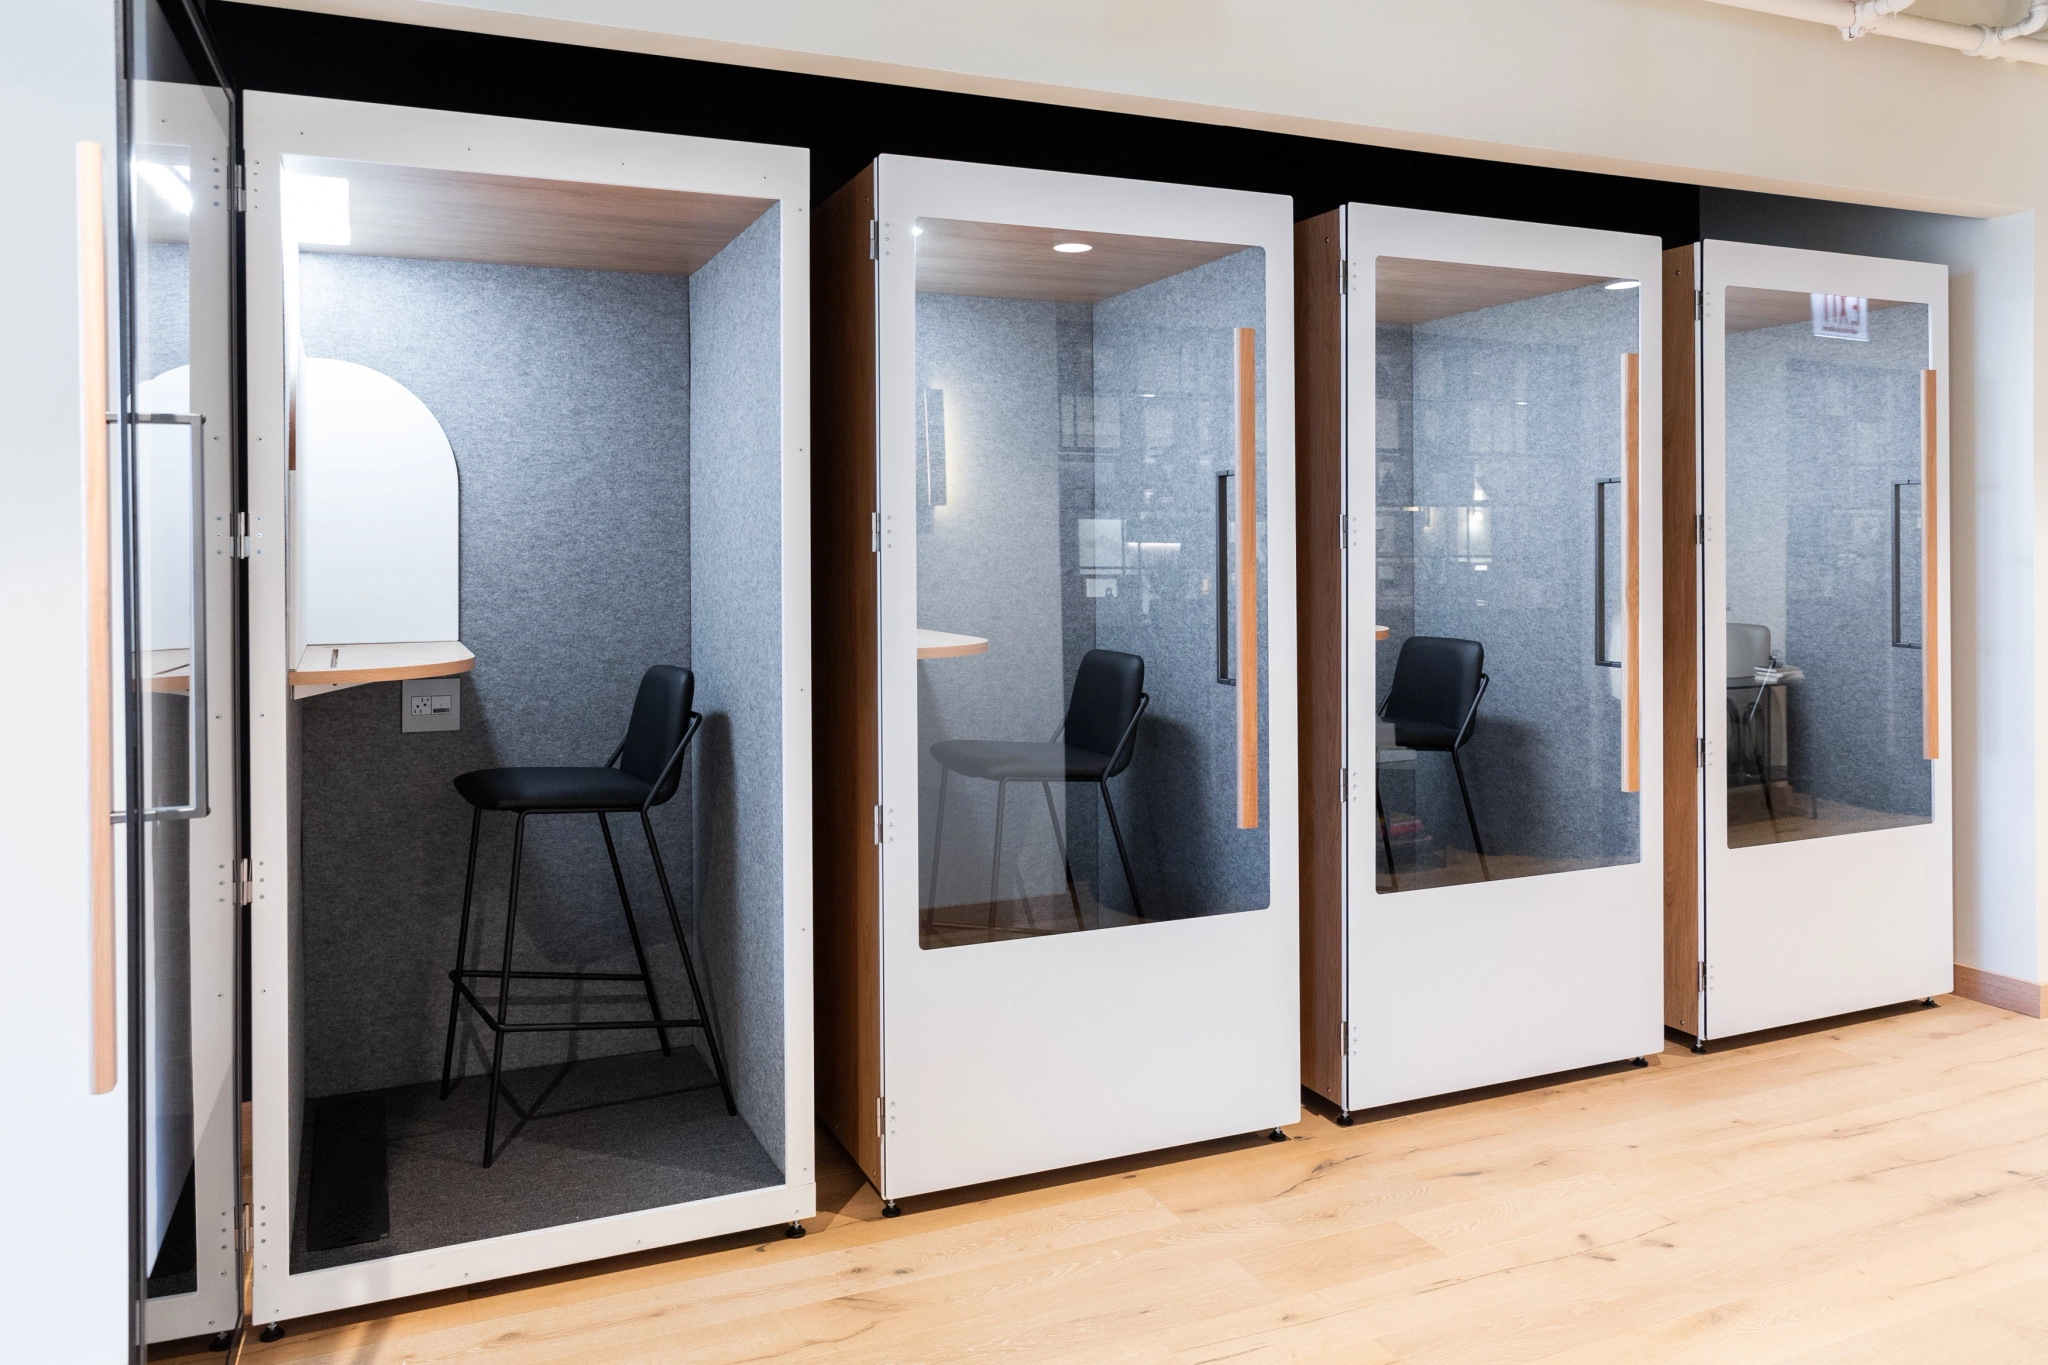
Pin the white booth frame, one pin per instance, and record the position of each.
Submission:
(1449, 988)
(1818, 927)
(279, 125)
(181, 114)
(984, 1074)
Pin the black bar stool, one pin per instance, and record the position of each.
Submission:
(642, 773)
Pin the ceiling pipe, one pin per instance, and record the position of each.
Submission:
(1972, 40)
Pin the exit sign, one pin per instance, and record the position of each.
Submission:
(1841, 316)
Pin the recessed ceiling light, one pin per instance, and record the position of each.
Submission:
(1626, 284)
(1073, 247)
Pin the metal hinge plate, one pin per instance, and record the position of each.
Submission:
(1699, 753)
(1344, 784)
(874, 240)
(878, 1116)
(878, 826)
(241, 536)
(245, 887)
(241, 191)
(1699, 305)
(1699, 528)
(1703, 978)
(875, 532)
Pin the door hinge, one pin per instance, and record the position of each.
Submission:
(1344, 530)
(245, 888)
(1699, 753)
(245, 1231)
(1699, 305)
(1343, 276)
(241, 190)
(878, 1117)
(240, 539)
(1699, 528)
(875, 532)
(1703, 978)
(878, 826)
(1344, 782)
(874, 240)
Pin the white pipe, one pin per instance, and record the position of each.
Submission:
(1868, 12)
(1975, 40)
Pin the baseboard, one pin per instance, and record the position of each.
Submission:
(2006, 992)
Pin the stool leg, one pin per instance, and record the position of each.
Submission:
(939, 834)
(1470, 821)
(646, 977)
(689, 967)
(995, 866)
(476, 821)
(1123, 855)
(504, 994)
(1057, 838)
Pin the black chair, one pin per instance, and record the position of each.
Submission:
(1432, 704)
(1101, 726)
(642, 773)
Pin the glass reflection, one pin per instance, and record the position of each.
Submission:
(1824, 563)
(1499, 575)
(1092, 645)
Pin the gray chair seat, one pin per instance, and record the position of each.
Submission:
(1012, 761)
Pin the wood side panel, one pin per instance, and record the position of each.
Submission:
(2005, 992)
(1681, 646)
(1247, 578)
(1930, 562)
(844, 627)
(99, 609)
(1319, 567)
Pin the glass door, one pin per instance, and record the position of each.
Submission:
(1503, 835)
(176, 481)
(1086, 675)
(1825, 659)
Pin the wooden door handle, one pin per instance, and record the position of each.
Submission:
(99, 607)
(1247, 579)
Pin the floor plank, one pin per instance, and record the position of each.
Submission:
(1871, 1189)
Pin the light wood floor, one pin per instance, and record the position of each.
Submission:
(1868, 1192)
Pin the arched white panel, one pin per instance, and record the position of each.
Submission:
(379, 510)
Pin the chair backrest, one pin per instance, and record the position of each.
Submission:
(661, 717)
(1749, 648)
(1436, 680)
(1105, 697)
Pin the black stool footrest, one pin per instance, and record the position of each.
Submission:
(579, 1026)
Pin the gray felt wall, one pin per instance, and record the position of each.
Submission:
(1055, 413)
(567, 398)
(736, 650)
(1520, 403)
(1819, 431)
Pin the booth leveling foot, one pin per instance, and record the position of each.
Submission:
(1639, 1061)
(1344, 1119)
(221, 1341)
(1276, 1136)
(889, 1209)
(794, 1230)
(272, 1332)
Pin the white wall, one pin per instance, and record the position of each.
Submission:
(63, 1272)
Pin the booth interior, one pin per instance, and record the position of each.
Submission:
(1499, 575)
(537, 452)
(1825, 674)
(1090, 495)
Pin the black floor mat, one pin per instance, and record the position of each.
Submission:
(348, 1202)
(589, 1140)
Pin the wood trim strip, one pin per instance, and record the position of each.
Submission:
(1681, 645)
(99, 606)
(1930, 563)
(845, 660)
(1247, 578)
(2003, 992)
(1631, 549)
(1319, 613)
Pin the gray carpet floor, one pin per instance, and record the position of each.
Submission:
(599, 1137)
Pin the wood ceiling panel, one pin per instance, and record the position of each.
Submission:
(1751, 310)
(1412, 291)
(1004, 261)
(509, 220)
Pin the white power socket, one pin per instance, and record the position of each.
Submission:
(430, 704)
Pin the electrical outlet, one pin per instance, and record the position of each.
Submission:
(430, 704)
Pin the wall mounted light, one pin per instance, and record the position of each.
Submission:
(1072, 247)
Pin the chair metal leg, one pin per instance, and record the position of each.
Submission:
(939, 835)
(1123, 856)
(1072, 894)
(476, 821)
(1386, 843)
(632, 929)
(1471, 822)
(689, 966)
(504, 994)
(995, 866)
